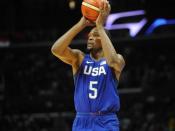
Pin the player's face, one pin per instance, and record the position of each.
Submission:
(94, 40)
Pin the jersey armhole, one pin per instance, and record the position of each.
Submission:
(114, 75)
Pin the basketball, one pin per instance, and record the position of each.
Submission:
(90, 9)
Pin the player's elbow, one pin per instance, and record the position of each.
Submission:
(117, 60)
(55, 50)
(120, 60)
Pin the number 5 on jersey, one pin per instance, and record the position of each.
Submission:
(92, 88)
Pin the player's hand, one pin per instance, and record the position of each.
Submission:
(85, 22)
(105, 9)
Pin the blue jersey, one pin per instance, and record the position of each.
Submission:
(95, 87)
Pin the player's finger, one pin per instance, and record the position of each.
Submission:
(105, 4)
(102, 5)
(109, 7)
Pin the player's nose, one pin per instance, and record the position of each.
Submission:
(91, 38)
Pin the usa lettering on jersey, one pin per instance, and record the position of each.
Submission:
(97, 71)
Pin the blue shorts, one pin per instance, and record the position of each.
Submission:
(91, 122)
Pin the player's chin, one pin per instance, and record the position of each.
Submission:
(89, 49)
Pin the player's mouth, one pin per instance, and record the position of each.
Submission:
(90, 44)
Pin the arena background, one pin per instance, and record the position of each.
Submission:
(36, 89)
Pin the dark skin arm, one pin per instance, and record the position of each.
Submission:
(114, 60)
(61, 49)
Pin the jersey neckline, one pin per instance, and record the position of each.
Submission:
(89, 55)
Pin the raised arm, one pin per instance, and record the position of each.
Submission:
(114, 59)
(61, 47)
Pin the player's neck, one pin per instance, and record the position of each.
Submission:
(97, 55)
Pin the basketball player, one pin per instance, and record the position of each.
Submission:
(96, 75)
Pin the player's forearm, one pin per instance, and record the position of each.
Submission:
(107, 46)
(64, 41)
